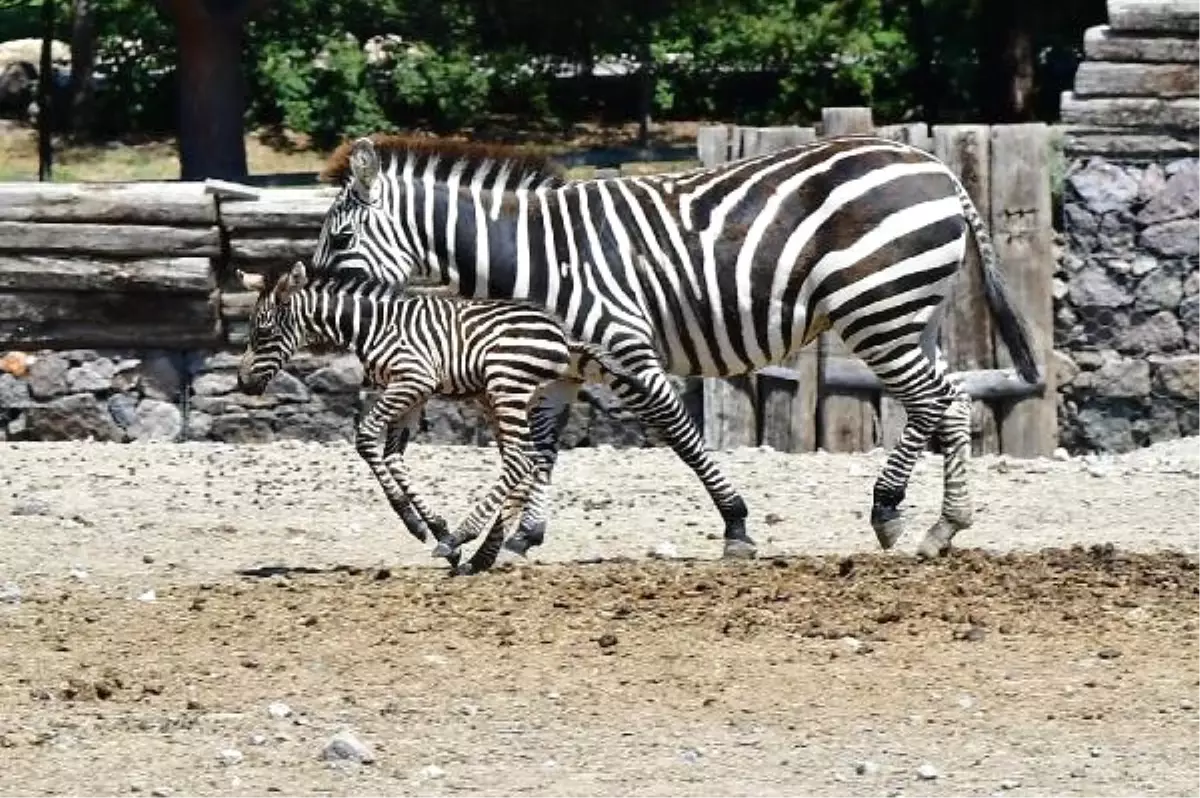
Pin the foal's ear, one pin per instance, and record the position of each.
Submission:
(293, 281)
(251, 281)
(364, 166)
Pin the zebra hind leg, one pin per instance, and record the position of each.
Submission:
(954, 434)
(547, 421)
(926, 394)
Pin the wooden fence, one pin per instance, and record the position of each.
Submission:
(825, 398)
(151, 265)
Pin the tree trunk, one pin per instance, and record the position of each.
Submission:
(1007, 68)
(83, 64)
(645, 92)
(45, 116)
(211, 89)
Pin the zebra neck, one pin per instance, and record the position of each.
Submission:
(340, 317)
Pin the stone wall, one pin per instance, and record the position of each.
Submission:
(169, 396)
(1127, 306)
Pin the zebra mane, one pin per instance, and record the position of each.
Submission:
(525, 163)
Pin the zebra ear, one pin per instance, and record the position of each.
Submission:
(364, 165)
(293, 281)
(251, 281)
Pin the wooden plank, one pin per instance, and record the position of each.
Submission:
(1179, 114)
(99, 319)
(162, 275)
(165, 203)
(847, 376)
(1112, 79)
(274, 245)
(788, 408)
(1024, 240)
(1102, 43)
(1163, 16)
(237, 305)
(109, 239)
(712, 144)
(730, 418)
(279, 209)
(914, 133)
(891, 421)
(966, 333)
(846, 420)
(1123, 144)
(774, 139)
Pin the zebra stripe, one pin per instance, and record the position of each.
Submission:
(717, 271)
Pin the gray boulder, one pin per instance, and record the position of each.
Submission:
(1178, 377)
(214, 383)
(14, 394)
(1158, 290)
(240, 428)
(1151, 334)
(1172, 239)
(47, 377)
(1104, 187)
(342, 375)
(156, 420)
(72, 418)
(1094, 287)
(287, 387)
(93, 376)
(1177, 198)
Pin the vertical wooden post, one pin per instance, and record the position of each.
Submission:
(847, 421)
(966, 334)
(45, 120)
(1023, 236)
(729, 405)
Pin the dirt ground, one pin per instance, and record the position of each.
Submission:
(155, 600)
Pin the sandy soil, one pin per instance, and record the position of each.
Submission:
(154, 601)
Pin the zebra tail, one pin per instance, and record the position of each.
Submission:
(1013, 330)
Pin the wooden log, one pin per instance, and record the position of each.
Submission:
(278, 209)
(787, 403)
(1126, 145)
(124, 240)
(712, 144)
(966, 332)
(914, 133)
(273, 245)
(892, 419)
(848, 376)
(118, 203)
(1162, 16)
(730, 418)
(161, 275)
(100, 319)
(774, 139)
(847, 421)
(1147, 112)
(1111, 79)
(1024, 240)
(237, 305)
(1102, 43)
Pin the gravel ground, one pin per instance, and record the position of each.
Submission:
(155, 600)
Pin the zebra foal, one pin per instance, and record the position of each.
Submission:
(516, 361)
(714, 272)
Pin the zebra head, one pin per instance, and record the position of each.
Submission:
(275, 332)
(360, 232)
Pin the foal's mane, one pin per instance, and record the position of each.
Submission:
(524, 161)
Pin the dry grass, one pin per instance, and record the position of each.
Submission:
(158, 159)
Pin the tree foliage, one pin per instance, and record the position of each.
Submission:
(331, 68)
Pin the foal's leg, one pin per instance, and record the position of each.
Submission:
(954, 435)
(396, 401)
(399, 435)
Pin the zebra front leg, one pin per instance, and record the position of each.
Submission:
(511, 413)
(954, 434)
(399, 435)
(547, 420)
(639, 381)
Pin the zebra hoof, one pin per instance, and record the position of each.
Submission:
(937, 540)
(517, 544)
(465, 569)
(739, 550)
(445, 549)
(889, 531)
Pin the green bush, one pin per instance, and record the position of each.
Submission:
(443, 89)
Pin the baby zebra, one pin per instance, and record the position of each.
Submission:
(415, 346)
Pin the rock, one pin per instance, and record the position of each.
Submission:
(72, 418)
(257, 739)
(240, 428)
(198, 426)
(1092, 287)
(1061, 454)
(664, 550)
(1154, 180)
(30, 506)
(14, 394)
(866, 768)
(1119, 377)
(323, 428)
(1010, 784)
(927, 772)
(1189, 315)
(344, 374)
(1108, 653)
(1158, 333)
(278, 710)
(1178, 198)
(453, 423)
(230, 756)
(159, 375)
(123, 409)
(92, 377)
(607, 640)
(1178, 377)
(1143, 264)
(1104, 187)
(48, 377)
(10, 593)
(148, 597)
(214, 384)
(345, 747)
(432, 772)
(156, 420)
(286, 386)
(1103, 430)
(1172, 239)
(1158, 290)
(1063, 367)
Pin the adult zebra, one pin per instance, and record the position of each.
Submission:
(710, 272)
